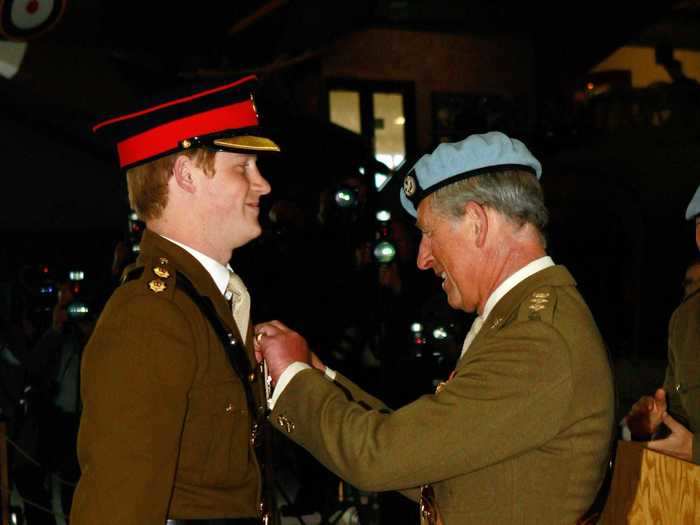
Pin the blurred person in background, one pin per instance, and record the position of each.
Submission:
(671, 416)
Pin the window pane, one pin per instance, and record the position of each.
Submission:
(345, 109)
(389, 120)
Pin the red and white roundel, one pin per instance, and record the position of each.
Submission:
(26, 19)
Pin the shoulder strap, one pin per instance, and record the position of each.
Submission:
(237, 356)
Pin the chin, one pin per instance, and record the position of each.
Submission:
(454, 303)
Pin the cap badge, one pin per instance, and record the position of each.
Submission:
(409, 185)
(157, 286)
(163, 273)
(186, 144)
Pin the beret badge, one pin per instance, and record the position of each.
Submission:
(409, 185)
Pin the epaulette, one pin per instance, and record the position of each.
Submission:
(156, 275)
(539, 306)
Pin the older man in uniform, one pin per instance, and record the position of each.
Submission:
(171, 394)
(677, 404)
(521, 430)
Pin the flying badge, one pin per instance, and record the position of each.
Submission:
(157, 286)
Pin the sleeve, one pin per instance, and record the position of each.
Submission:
(356, 394)
(675, 406)
(137, 372)
(509, 396)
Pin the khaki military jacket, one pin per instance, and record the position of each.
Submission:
(683, 371)
(519, 435)
(165, 430)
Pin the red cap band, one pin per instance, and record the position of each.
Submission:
(167, 137)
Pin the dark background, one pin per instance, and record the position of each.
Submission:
(617, 184)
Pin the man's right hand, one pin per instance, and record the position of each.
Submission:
(280, 347)
(646, 415)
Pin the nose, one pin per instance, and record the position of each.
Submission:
(259, 182)
(424, 260)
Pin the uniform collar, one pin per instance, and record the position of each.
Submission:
(219, 273)
(513, 280)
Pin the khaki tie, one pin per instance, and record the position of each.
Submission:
(476, 326)
(240, 303)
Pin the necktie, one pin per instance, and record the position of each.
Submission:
(240, 303)
(476, 326)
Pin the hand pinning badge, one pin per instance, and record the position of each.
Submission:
(257, 341)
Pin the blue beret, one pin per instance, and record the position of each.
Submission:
(454, 161)
(694, 206)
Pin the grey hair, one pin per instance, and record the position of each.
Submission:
(516, 194)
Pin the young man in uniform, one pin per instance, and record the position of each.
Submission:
(521, 431)
(171, 394)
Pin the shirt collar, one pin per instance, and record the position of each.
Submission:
(219, 273)
(513, 280)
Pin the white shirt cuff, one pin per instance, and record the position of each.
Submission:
(284, 380)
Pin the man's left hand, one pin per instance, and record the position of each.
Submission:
(280, 346)
(678, 444)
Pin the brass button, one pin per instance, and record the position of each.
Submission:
(286, 424)
(251, 377)
(229, 408)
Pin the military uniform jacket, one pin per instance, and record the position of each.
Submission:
(683, 371)
(165, 430)
(519, 435)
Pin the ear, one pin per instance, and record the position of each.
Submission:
(183, 174)
(478, 219)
